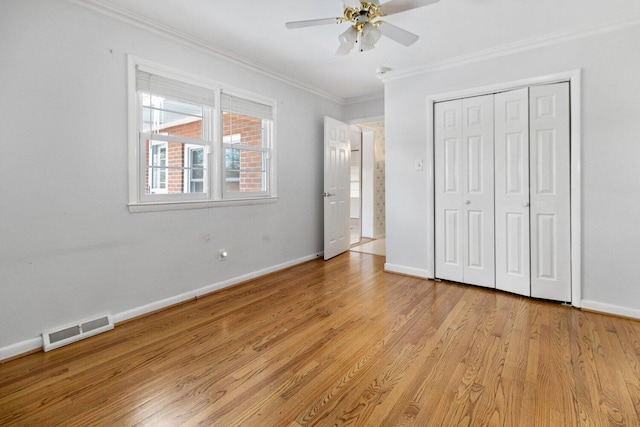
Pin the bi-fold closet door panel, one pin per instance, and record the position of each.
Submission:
(529, 206)
(464, 181)
(512, 191)
(532, 194)
(550, 184)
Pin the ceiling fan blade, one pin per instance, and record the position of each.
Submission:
(397, 34)
(312, 23)
(397, 6)
(352, 3)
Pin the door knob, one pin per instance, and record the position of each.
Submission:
(328, 194)
(467, 202)
(525, 204)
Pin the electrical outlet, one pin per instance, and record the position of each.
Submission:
(419, 164)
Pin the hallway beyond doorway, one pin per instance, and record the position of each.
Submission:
(363, 244)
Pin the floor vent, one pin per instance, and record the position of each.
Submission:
(67, 334)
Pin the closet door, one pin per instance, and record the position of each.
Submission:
(477, 191)
(448, 190)
(464, 191)
(550, 192)
(512, 191)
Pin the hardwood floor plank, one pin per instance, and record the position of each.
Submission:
(339, 343)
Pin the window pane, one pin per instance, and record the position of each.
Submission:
(172, 117)
(174, 168)
(195, 171)
(196, 157)
(157, 173)
(245, 171)
(245, 168)
(250, 130)
(355, 189)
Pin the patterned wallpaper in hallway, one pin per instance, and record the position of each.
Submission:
(379, 178)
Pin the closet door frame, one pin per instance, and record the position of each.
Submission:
(573, 77)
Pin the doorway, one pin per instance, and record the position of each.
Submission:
(368, 219)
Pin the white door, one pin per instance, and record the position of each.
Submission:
(337, 160)
(464, 191)
(477, 187)
(512, 191)
(448, 191)
(550, 192)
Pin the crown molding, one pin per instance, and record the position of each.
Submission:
(139, 21)
(378, 96)
(514, 48)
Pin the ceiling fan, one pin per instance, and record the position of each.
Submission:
(366, 24)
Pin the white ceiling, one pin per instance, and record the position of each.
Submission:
(253, 31)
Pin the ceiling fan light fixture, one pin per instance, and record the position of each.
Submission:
(365, 45)
(349, 37)
(371, 32)
(365, 19)
(370, 36)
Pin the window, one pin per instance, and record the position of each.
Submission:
(246, 135)
(194, 159)
(196, 141)
(157, 176)
(232, 162)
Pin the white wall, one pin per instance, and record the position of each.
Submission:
(364, 109)
(610, 110)
(69, 248)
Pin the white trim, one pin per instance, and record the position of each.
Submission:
(20, 348)
(410, 271)
(133, 140)
(158, 305)
(139, 21)
(575, 88)
(245, 147)
(187, 175)
(514, 48)
(203, 204)
(364, 98)
(155, 27)
(574, 79)
(611, 309)
(32, 344)
(173, 138)
(155, 173)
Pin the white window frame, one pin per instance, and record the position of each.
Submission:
(228, 141)
(187, 177)
(268, 135)
(152, 173)
(214, 195)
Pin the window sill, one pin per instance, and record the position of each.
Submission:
(205, 204)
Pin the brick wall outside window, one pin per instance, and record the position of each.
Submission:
(250, 131)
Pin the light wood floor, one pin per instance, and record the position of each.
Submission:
(339, 343)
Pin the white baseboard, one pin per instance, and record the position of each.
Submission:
(158, 305)
(32, 344)
(611, 309)
(17, 349)
(410, 271)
